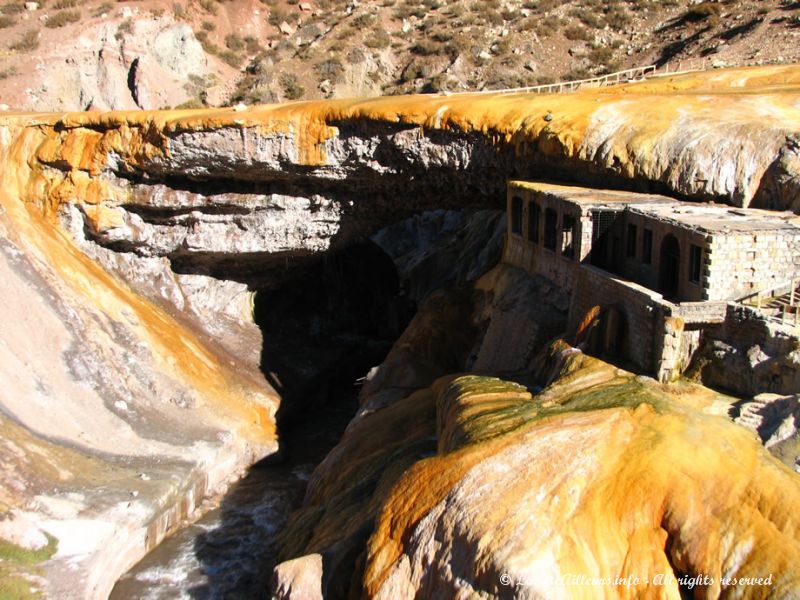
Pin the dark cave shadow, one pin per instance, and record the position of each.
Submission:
(322, 331)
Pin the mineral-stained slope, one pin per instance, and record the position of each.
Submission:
(116, 419)
(119, 410)
(528, 498)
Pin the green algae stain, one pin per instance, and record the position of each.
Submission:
(19, 567)
(472, 409)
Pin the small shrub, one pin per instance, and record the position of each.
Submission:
(6, 21)
(587, 17)
(234, 42)
(331, 68)
(363, 21)
(617, 19)
(276, 16)
(577, 33)
(62, 4)
(602, 55)
(208, 26)
(208, 5)
(9, 72)
(29, 41)
(702, 11)
(60, 19)
(251, 44)
(234, 59)
(292, 89)
(356, 56)
(193, 103)
(426, 48)
(102, 9)
(378, 39)
(125, 27)
(548, 5)
(576, 74)
(12, 8)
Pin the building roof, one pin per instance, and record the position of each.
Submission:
(702, 217)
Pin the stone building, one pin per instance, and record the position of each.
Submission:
(671, 267)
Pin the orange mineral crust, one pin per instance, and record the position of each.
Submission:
(710, 134)
(531, 497)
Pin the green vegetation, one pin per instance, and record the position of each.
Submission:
(231, 58)
(292, 89)
(251, 44)
(15, 562)
(331, 69)
(378, 39)
(577, 33)
(208, 5)
(234, 42)
(60, 19)
(276, 16)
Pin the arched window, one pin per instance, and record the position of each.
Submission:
(516, 215)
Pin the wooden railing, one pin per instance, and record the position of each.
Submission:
(628, 75)
(788, 311)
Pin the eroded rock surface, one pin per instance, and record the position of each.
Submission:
(121, 410)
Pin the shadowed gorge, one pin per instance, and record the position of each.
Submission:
(188, 291)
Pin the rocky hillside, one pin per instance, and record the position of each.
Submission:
(65, 55)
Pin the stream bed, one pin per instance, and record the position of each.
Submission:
(229, 553)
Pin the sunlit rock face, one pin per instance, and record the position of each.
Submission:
(529, 496)
(223, 190)
(149, 359)
(118, 418)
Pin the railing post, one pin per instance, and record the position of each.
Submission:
(793, 289)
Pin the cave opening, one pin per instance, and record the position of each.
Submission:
(323, 326)
(323, 330)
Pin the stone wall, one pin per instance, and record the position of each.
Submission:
(742, 263)
(748, 354)
(643, 312)
(637, 269)
(534, 257)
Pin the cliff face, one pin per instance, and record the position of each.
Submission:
(141, 376)
(118, 419)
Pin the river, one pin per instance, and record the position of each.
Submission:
(229, 553)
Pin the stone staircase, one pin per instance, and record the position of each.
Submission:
(751, 414)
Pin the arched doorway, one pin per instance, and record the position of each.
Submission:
(669, 266)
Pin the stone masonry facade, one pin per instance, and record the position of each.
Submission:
(670, 267)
